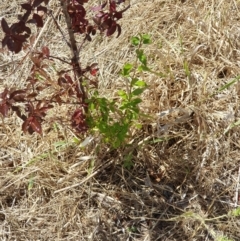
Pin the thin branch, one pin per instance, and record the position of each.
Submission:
(74, 48)
(58, 27)
(64, 61)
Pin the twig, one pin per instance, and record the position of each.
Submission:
(58, 27)
(74, 48)
(64, 61)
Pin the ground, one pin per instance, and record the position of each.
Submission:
(182, 181)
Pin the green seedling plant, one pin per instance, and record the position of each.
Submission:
(114, 118)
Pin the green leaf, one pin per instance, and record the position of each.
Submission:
(235, 212)
(226, 86)
(141, 56)
(76, 140)
(135, 112)
(138, 91)
(126, 69)
(140, 83)
(91, 106)
(122, 94)
(146, 38)
(135, 101)
(133, 81)
(135, 41)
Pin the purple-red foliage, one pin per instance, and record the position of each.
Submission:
(66, 89)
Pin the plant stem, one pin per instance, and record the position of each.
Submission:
(74, 48)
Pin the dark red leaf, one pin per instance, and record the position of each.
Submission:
(58, 99)
(25, 125)
(19, 37)
(88, 37)
(80, 10)
(4, 107)
(21, 27)
(46, 51)
(38, 20)
(107, 24)
(89, 29)
(37, 3)
(18, 47)
(26, 6)
(71, 9)
(93, 72)
(4, 94)
(14, 46)
(69, 79)
(112, 30)
(41, 8)
(120, 1)
(24, 28)
(94, 31)
(78, 121)
(61, 81)
(5, 27)
(82, 1)
(36, 125)
(119, 29)
(112, 6)
(4, 41)
(117, 15)
(97, 20)
(10, 43)
(27, 30)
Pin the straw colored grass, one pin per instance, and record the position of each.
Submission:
(186, 160)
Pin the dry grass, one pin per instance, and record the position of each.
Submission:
(185, 177)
